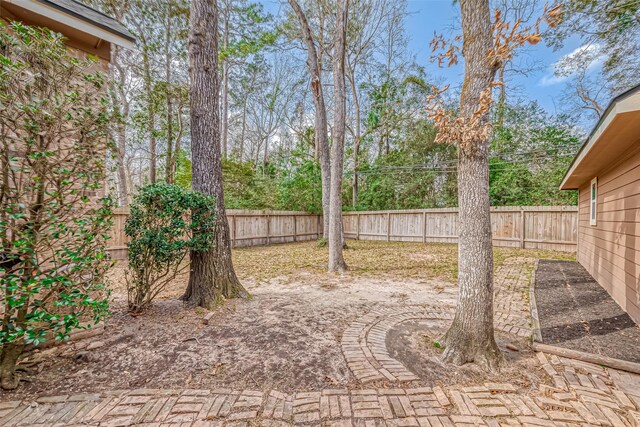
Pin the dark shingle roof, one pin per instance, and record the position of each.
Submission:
(90, 15)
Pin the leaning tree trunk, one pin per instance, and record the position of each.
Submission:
(321, 127)
(10, 353)
(336, 258)
(212, 276)
(470, 337)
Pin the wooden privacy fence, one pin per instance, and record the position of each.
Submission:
(531, 227)
(247, 228)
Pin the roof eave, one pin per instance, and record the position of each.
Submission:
(593, 137)
(66, 17)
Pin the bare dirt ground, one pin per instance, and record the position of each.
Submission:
(287, 336)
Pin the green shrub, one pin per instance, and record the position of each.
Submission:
(164, 224)
(53, 225)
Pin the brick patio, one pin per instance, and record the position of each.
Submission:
(582, 394)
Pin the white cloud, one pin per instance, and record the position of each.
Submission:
(586, 57)
(551, 79)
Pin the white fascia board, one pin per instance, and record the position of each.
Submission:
(72, 21)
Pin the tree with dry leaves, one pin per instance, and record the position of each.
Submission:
(486, 45)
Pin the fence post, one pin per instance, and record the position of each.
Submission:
(268, 229)
(295, 228)
(388, 226)
(318, 227)
(233, 231)
(424, 227)
(357, 226)
(522, 230)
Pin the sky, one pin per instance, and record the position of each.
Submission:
(427, 17)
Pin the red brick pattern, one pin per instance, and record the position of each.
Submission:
(583, 395)
(580, 394)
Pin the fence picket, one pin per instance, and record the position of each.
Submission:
(532, 227)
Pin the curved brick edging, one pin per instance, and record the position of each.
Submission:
(364, 343)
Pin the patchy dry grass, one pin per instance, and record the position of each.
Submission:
(375, 258)
(305, 262)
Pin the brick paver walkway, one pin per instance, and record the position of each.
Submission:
(582, 394)
(511, 296)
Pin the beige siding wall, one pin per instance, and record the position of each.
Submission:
(610, 250)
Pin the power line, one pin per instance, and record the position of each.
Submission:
(443, 169)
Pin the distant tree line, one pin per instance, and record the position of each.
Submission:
(529, 155)
(270, 143)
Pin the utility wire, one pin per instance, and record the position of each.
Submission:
(429, 168)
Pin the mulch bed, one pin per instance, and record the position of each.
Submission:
(577, 313)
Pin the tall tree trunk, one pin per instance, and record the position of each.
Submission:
(121, 109)
(212, 276)
(356, 139)
(178, 146)
(244, 128)
(170, 166)
(151, 118)
(336, 259)
(265, 156)
(470, 338)
(225, 86)
(123, 188)
(325, 171)
(502, 98)
(321, 128)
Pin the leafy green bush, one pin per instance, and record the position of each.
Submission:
(165, 223)
(53, 223)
